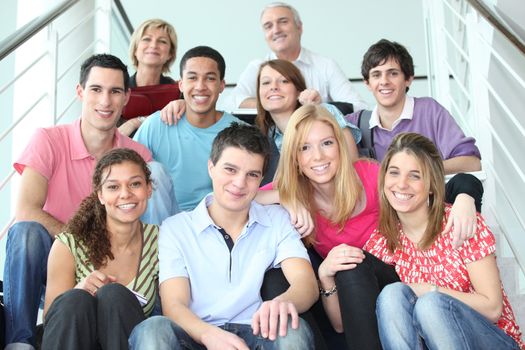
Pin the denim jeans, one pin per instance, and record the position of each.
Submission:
(162, 203)
(25, 273)
(160, 332)
(434, 321)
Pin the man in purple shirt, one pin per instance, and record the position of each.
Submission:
(388, 71)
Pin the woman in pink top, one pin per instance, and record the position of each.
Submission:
(315, 171)
(447, 298)
(316, 175)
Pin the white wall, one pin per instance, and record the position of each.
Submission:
(341, 30)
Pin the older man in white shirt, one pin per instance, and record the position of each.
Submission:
(283, 28)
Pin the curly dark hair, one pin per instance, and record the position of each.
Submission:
(88, 225)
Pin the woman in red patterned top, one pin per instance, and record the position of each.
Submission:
(447, 298)
(315, 172)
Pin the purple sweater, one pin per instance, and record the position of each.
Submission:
(431, 120)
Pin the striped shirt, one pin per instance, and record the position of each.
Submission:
(146, 279)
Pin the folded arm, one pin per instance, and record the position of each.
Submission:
(462, 164)
(487, 298)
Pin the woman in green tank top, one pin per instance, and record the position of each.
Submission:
(102, 273)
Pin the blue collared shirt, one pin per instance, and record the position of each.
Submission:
(225, 285)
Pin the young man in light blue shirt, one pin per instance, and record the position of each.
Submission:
(213, 260)
(184, 149)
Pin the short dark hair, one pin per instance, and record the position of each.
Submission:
(383, 50)
(204, 51)
(243, 136)
(105, 61)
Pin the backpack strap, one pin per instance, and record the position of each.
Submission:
(366, 145)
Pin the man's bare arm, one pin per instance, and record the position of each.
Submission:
(249, 102)
(303, 291)
(31, 199)
(461, 164)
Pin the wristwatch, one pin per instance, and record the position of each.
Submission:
(327, 293)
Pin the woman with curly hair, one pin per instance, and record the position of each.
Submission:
(103, 269)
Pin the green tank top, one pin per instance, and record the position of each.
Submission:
(146, 280)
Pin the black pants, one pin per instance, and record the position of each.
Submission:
(464, 183)
(357, 290)
(77, 320)
(275, 284)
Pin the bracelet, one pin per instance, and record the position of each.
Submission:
(327, 293)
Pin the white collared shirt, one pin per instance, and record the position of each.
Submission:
(406, 113)
(320, 73)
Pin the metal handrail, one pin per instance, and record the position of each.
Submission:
(24, 33)
(124, 16)
(493, 19)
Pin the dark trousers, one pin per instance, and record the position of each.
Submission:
(78, 320)
(357, 290)
(274, 284)
(464, 183)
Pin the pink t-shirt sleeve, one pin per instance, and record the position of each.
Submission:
(267, 187)
(38, 154)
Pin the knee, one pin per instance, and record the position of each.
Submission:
(360, 272)
(30, 236)
(152, 333)
(113, 295)
(112, 291)
(429, 309)
(300, 338)
(73, 302)
(395, 291)
(393, 298)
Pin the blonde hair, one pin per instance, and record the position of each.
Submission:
(139, 33)
(432, 172)
(295, 188)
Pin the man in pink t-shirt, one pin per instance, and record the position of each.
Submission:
(56, 169)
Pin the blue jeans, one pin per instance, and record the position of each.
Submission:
(25, 273)
(162, 203)
(434, 321)
(160, 332)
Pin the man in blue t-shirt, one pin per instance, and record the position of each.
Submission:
(184, 148)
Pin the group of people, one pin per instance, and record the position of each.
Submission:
(334, 251)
